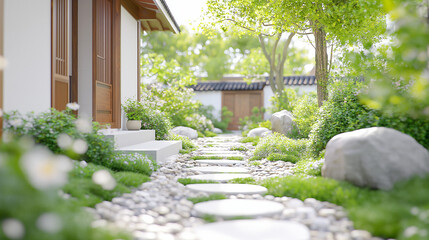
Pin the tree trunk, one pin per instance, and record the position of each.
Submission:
(321, 64)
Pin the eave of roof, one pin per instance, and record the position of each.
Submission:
(162, 5)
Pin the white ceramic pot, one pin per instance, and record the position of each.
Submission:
(134, 124)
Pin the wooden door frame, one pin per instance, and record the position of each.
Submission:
(74, 97)
(1, 54)
(116, 63)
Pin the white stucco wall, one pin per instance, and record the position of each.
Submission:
(128, 58)
(27, 48)
(213, 98)
(268, 94)
(85, 57)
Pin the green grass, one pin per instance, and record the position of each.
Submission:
(207, 157)
(383, 213)
(255, 163)
(278, 143)
(248, 180)
(186, 181)
(211, 197)
(235, 158)
(85, 192)
(239, 148)
(253, 140)
(210, 134)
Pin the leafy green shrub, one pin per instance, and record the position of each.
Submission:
(343, 112)
(200, 134)
(285, 100)
(305, 111)
(151, 118)
(29, 197)
(265, 124)
(278, 143)
(132, 162)
(187, 144)
(248, 123)
(215, 196)
(253, 140)
(62, 133)
(283, 157)
(309, 167)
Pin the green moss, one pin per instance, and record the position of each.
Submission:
(211, 197)
(248, 180)
(206, 157)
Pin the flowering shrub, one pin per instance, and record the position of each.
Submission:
(343, 112)
(132, 162)
(151, 117)
(30, 205)
(199, 122)
(226, 116)
(62, 133)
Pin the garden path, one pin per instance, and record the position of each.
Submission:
(160, 209)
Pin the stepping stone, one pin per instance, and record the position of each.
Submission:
(214, 169)
(256, 229)
(231, 208)
(219, 177)
(220, 162)
(226, 188)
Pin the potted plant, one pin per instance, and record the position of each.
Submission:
(133, 109)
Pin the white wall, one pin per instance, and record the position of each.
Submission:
(128, 58)
(213, 98)
(268, 93)
(27, 48)
(85, 57)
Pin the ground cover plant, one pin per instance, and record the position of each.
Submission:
(400, 213)
(187, 145)
(238, 148)
(253, 140)
(279, 147)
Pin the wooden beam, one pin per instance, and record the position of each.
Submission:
(139, 32)
(75, 52)
(145, 5)
(116, 63)
(146, 1)
(132, 8)
(146, 14)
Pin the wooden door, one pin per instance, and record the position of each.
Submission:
(60, 91)
(241, 103)
(105, 63)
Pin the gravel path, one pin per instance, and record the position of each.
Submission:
(160, 210)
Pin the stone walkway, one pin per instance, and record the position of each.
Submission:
(160, 209)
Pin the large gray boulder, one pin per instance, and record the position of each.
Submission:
(283, 122)
(185, 131)
(217, 130)
(375, 157)
(258, 132)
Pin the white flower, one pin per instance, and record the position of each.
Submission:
(13, 228)
(103, 178)
(17, 122)
(411, 231)
(83, 164)
(64, 141)
(73, 106)
(49, 222)
(83, 125)
(44, 169)
(28, 125)
(79, 146)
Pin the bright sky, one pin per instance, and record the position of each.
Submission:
(186, 12)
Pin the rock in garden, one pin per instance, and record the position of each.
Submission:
(283, 122)
(217, 130)
(374, 157)
(257, 132)
(185, 131)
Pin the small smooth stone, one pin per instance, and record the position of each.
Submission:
(219, 169)
(219, 177)
(147, 219)
(253, 230)
(228, 188)
(320, 224)
(360, 234)
(294, 203)
(325, 212)
(162, 210)
(220, 162)
(306, 212)
(145, 235)
(172, 217)
(229, 208)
